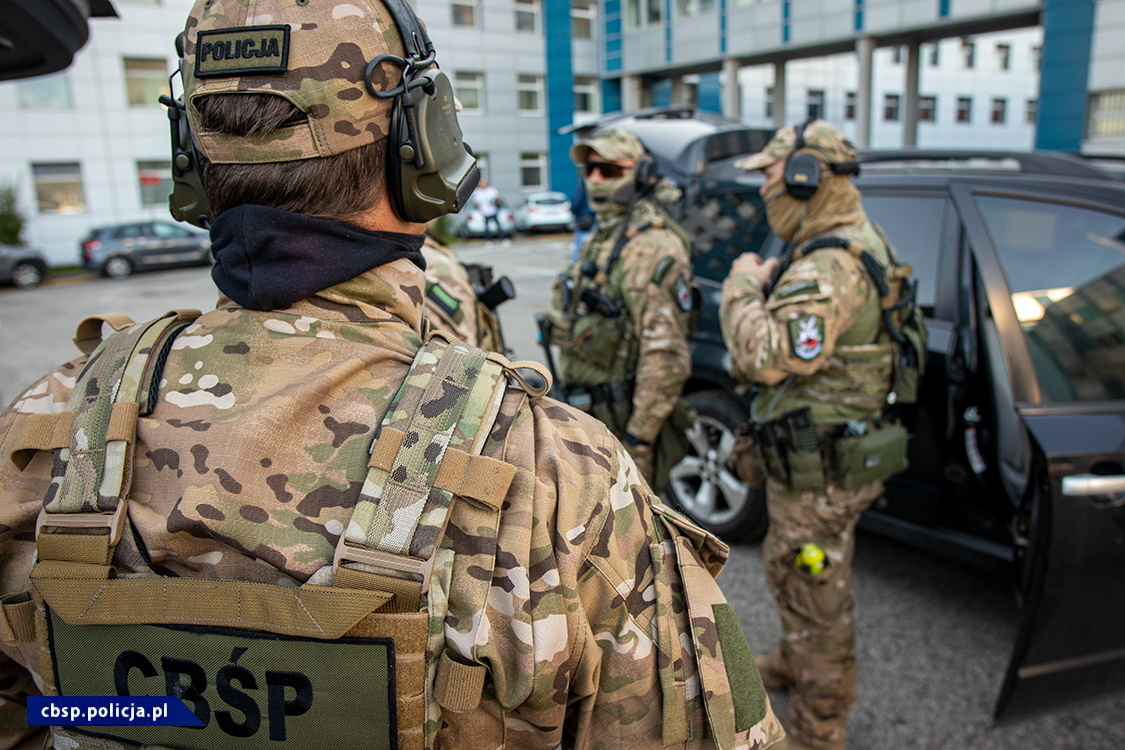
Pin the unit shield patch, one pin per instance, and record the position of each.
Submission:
(806, 336)
(682, 292)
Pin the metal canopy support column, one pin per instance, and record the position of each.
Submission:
(910, 122)
(865, 51)
(732, 92)
(630, 93)
(779, 94)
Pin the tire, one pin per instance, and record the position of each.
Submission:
(26, 276)
(118, 267)
(702, 485)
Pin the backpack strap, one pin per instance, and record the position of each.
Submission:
(96, 436)
(426, 451)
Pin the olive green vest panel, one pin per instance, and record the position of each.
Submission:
(855, 384)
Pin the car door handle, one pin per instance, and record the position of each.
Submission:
(1086, 485)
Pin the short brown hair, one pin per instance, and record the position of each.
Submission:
(334, 187)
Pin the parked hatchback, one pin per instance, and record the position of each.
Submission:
(545, 212)
(470, 222)
(1017, 452)
(120, 249)
(21, 267)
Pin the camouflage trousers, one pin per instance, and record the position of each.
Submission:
(817, 647)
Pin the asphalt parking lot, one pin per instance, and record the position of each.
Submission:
(934, 635)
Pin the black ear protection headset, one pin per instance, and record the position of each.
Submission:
(430, 170)
(802, 169)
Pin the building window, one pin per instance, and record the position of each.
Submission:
(58, 188)
(769, 101)
(465, 13)
(586, 95)
(526, 13)
(999, 111)
(1107, 113)
(145, 81)
(582, 16)
(890, 107)
(633, 14)
(1031, 113)
(849, 105)
(654, 8)
(927, 109)
(896, 54)
(968, 53)
(815, 106)
(533, 167)
(1004, 56)
(529, 91)
(964, 109)
(1037, 57)
(47, 92)
(155, 179)
(470, 91)
(935, 55)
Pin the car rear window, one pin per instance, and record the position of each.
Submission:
(1065, 267)
(549, 201)
(723, 225)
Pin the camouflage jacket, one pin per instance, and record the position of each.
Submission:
(818, 340)
(451, 301)
(250, 465)
(651, 280)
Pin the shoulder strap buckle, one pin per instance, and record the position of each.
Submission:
(419, 569)
(115, 521)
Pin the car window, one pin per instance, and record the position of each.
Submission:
(914, 224)
(160, 229)
(549, 201)
(722, 226)
(129, 230)
(1065, 267)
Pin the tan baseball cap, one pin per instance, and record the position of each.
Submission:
(819, 135)
(313, 53)
(613, 144)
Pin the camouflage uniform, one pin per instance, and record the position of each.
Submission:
(601, 622)
(651, 283)
(816, 341)
(451, 299)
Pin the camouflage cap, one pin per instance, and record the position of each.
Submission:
(820, 135)
(313, 54)
(613, 144)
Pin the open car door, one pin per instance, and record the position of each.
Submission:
(1053, 271)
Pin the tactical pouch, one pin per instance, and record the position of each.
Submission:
(596, 339)
(879, 454)
(910, 368)
(806, 470)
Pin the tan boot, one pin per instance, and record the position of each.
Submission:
(774, 674)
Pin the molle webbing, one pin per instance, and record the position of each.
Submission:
(97, 463)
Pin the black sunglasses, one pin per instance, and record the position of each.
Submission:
(608, 169)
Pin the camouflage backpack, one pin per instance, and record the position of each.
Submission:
(374, 637)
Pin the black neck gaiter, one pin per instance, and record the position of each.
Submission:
(268, 259)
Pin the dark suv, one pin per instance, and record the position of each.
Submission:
(1017, 454)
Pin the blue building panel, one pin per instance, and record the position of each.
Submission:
(943, 9)
(1068, 28)
(710, 92)
(611, 95)
(785, 22)
(661, 92)
(560, 94)
(859, 15)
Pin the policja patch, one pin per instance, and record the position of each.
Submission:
(242, 50)
(806, 336)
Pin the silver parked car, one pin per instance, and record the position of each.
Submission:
(545, 211)
(21, 267)
(470, 222)
(120, 249)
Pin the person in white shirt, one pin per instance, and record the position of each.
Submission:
(486, 199)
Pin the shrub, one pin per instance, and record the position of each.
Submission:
(11, 217)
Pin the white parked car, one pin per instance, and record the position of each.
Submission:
(544, 211)
(470, 222)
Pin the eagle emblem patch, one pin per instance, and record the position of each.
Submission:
(806, 336)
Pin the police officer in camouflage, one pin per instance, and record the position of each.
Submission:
(311, 525)
(811, 332)
(622, 313)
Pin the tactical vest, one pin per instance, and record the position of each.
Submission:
(359, 662)
(591, 322)
(877, 362)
